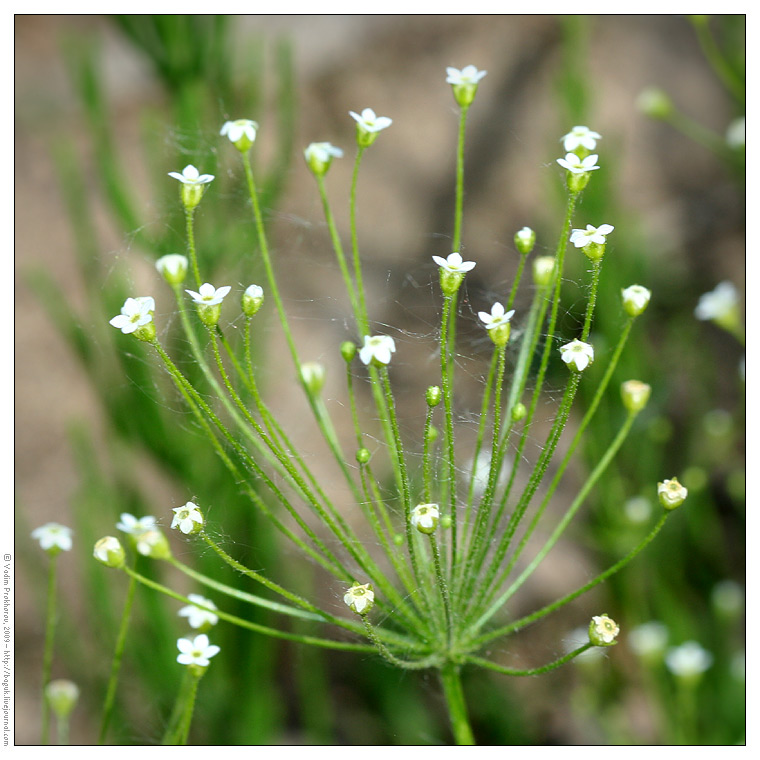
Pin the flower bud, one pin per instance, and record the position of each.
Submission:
(525, 239)
(543, 270)
(519, 411)
(360, 598)
(319, 156)
(173, 268)
(62, 696)
(446, 522)
(252, 299)
(636, 299)
(635, 395)
(313, 376)
(433, 396)
(363, 456)
(152, 543)
(109, 551)
(398, 539)
(348, 351)
(425, 518)
(671, 494)
(603, 631)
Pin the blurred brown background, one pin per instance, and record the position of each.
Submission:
(396, 65)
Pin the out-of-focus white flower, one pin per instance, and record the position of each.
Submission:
(425, 518)
(671, 493)
(635, 395)
(598, 235)
(577, 355)
(649, 640)
(191, 176)
(319, 156)
(543, 269)
(188, 518)
(53, 537)
(719, 304)
(369, 121)
(152, 543)
(727, 598)
(453, 263)
(377, 348)
(197, 651)
(136, 313)
(638, 510)
(577, 165)
(208, 295)
(467, 75)
(360, 598)
(133, 525)
(525, 239)
(313, 375)
(197, 617)
(688, 661)
(636, 299)
(736, 133)
(172, 267)
(580, 137)
(62, 696)
(109, 551)
(241, 133)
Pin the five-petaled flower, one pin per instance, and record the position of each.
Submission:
(497, 318)
(109, 551)
(360, 598)
(577, 165)
(188, 518)
(136, 313)
(577, 355)
(718, 304)
(191, 176)
(377, 348)
(319, 156)
(598, 235)
(208, 295)
(241, 133)
(369, 121)
(197, 651)
(581, 137)
(453, 263)
(197, 617)
(671, 493)
(133, 525)
(603, 631)
(53, 537)
(425, 518)
(467, 75)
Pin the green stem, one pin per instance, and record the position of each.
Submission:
(191, 245)
(452, 690)
(721, 67)
(113, 679)
(531, 671)
(459, 200)
(450, 478)
(385, 653)
(47, 657)
(362, 316)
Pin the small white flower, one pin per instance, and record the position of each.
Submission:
(321, 153)
(208, 295)
(497, 318)
(598, 235)
(719, 303)
(254, 291)
(172, 267)
(465, 76)
(109, 551)
(671, 493)
(649, 640)
(196, 652)
(377, 348)
(689, 660)
(360, 598)
(577, 355)
(736, 133)
(240, 128)
(370, 122)
(425, 518)
(580, 137)
(453, 263)
(252, 300)
(136, 313)
(197, 617)
(638, 510)
(191, 176)
(53, 536)
(133, 525)
(188, 518)
(152, 543)
(62, 696)
(603, 631)
(636, 299)
(576, 165)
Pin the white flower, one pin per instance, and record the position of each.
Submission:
(360, 598)
(719, 303)
(497, 318)
(196, 652)
(188, 518)
(598, 235)
(573, 164)
(370, 122)
(635, 299)
(580, 137)
(577, 355)
(197, 617)
(603, 631)
(136, 313)
(322, 153)
(172, 267)
(453, 263)
(239, 128)
(425, 518)
(649, 640)
(190, 176)
(133, 525)
(672, 494)
(254, 291)
(313, 375)
(208, 295)
(377, 348)
(638, 510)
(109, 551)
(465, 76)
(736, 133)
(689, 660)
(62, 696)
(152, 543)
(53, 536)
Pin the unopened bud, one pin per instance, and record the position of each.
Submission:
(109, 551)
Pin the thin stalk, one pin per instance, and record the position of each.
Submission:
(455, 702)
(717, 60)
(385, 653)
(113, 680)
(189, 227)
(47, 657)
(187, 717)
(362, 316)
(531, 671)
(450, 478)
(459, 199)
